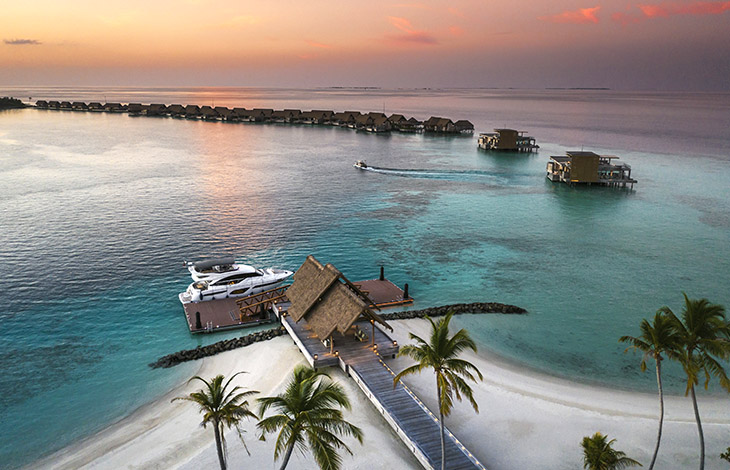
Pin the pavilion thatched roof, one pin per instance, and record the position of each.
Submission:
(327, 300)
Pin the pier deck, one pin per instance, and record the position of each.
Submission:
(219, 315)
(411, 420)
(228, 314)
(384, 293)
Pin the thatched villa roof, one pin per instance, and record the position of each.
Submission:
(327, 299)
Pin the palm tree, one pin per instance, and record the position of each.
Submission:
(222, 408)
(598, 454)
(704, 335)
(656, 339)
(308, 418)
(440, 354)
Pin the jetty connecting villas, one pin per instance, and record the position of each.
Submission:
(509, 140)
(369, 122)
(579, 167)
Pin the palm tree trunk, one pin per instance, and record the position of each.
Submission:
(661, 411)
(219, 445)
(443, 444)
(699, 428)
(441, 423)
(289, 449)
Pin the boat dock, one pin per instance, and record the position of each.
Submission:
(362, 360)
(232, 313)
(228, 314)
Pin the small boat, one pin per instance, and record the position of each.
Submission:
(222, 278)
(360, 164)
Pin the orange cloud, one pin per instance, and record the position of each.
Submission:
(696, 8)
(410, 35)
(580, 16)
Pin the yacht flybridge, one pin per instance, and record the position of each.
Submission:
(222, 278)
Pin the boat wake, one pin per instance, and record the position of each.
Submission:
(456, 175)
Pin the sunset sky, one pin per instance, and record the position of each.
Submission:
(621, 44)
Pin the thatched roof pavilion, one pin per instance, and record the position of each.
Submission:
(327, 300)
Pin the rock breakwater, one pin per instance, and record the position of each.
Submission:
(227, 345)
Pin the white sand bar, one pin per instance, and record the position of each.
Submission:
(526, 421)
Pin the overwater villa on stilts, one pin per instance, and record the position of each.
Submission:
(334, 323)
(579, 167)
(509, 140)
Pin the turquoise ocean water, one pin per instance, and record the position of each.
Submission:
(98, 212)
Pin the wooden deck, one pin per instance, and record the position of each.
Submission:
(411, 420)
(242, 312)
(384, 293)
(219, 315)
(318, 355)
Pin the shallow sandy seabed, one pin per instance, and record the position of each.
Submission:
(527, 420)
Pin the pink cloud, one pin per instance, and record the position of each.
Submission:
(665, 9)
(409, 33)
(456, 12)
(456, 31)
(318, 44)
(580, 16)
(672, 8)
(625, 18)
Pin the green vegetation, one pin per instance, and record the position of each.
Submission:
(703, 334)
(222, 408)
(7, 102)
(599, 454)
(441, 353)
(308, 417)
(657, 339)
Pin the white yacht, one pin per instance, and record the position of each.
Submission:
(223, 278)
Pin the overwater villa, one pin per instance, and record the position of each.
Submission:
(509, 140)
(176, 110)
(579, 167)
(115, 107)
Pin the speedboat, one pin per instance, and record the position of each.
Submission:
(360, 164)
(223, 278)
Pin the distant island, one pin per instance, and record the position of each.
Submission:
(577, 88)
(7, 102)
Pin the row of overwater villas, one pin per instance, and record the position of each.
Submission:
(372, 122)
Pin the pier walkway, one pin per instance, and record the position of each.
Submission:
(363, 361)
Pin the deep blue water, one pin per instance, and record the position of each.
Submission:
(98, 212)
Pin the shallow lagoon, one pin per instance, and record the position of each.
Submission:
(99, 211)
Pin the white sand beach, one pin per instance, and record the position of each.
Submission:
(526, 421)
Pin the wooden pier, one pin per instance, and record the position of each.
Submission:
(232, 313)
(411, 420)
(227, 314)
(383, 293)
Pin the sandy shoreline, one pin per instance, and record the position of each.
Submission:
(527, 420)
